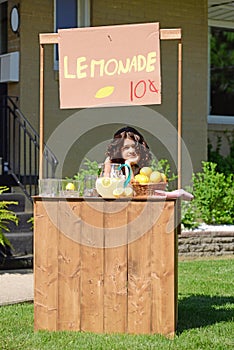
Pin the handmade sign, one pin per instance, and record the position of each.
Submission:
(109, 66)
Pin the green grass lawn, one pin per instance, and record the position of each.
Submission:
(205, 319)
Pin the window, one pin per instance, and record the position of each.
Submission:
(221, 71)
(70, 14)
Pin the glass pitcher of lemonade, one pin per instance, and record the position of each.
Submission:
(111, 182)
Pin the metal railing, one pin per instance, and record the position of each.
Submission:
(20, 148)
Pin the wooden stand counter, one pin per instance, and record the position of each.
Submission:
(105, 265)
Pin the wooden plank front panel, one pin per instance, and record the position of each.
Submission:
(139, 268)
(115, 288)
(163, 270)
(89, 275)
(69, 265)
(45, 265)
(92, 265)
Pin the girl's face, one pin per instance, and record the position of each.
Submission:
(128, 150)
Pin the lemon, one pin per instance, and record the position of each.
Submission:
(106, 181)
(142, 179)
(118, 192)
(128, 191)
(164, 178)
(155, 177)
(70, 187)
(146, 171)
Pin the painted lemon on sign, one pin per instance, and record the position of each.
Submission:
(105, 92)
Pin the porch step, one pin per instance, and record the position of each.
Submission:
(22, 242)
(16, 262)
(23, 224)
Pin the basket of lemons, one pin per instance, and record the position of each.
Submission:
(148, 181)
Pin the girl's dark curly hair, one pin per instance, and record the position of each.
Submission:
(114, 149)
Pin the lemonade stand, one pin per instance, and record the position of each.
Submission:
(107, 264)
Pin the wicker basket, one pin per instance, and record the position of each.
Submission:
(148, 189)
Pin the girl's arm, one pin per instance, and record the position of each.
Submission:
(107, 167)
(176, 194)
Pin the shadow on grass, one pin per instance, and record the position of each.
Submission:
(202, 310)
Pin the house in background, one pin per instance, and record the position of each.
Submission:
(22, 21)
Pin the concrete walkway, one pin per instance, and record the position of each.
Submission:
(16, 286)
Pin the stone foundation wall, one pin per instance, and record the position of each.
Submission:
(208, 243)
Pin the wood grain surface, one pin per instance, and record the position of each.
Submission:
(105, 266)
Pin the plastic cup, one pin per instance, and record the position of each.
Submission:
(48, 187)
(90, 186)
(69, 188)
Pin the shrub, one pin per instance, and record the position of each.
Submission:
(213, 198)
(5, 216)
(225, 164)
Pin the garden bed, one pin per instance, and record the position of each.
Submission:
(207, 240)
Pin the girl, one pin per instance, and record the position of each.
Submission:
(129, 147)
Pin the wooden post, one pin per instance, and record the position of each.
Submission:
(41, 149)
(179, 112)
(51, 38)
(176, 34)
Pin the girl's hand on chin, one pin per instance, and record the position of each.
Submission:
(133, 160)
